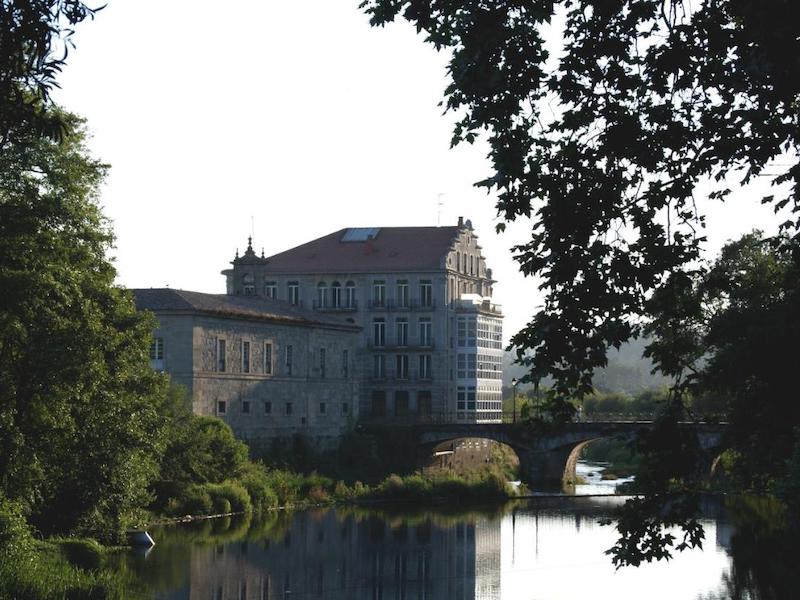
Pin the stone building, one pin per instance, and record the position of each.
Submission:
(430, 345)
(266, 367)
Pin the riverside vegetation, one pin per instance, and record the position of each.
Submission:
(93, 441)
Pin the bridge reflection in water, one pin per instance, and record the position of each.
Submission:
(549, 549)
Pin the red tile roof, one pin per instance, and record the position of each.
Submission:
(392, 249)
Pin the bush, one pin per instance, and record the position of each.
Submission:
(261, 495)
(85, 554)
(195, 500)
(229, 496)
(16, 542)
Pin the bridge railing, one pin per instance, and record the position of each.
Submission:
(507, 417)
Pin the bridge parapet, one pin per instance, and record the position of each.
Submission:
(547, 452)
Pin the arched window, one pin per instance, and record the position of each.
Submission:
(322, 295)
(336, 294)
(248, 284)
(350, 294)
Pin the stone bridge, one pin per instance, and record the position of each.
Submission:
(550, 456)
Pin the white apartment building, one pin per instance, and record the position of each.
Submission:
(431, 339)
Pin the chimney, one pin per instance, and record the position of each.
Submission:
(460, 221)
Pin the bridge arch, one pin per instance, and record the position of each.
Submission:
(550, 455)
(464, 453)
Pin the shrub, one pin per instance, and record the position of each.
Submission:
(16, 541)
(318, 495)
(261, 496)
(85, 553)
(195, 501)
(229, 496)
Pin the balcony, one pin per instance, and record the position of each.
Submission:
(398, 348)
(330, 307)
(394, 306)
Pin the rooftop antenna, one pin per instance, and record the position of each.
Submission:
(252, 226)
(439, 205)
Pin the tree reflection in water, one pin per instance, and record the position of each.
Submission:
(551, 548)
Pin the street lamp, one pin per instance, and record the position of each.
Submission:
(514, 383)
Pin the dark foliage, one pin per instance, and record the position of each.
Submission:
(604, 149)
(80, 432)
(35, 36)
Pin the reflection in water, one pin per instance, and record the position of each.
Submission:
(550, 548)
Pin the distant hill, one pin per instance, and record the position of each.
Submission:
(627, 371)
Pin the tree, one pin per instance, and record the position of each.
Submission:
(34, 38)
(605, 151)
(80, 431)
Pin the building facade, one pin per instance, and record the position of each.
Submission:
(431, 339)
(267, 368)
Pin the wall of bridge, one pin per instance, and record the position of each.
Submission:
(552, 456)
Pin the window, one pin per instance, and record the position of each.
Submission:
(402, 293)
(222, 407)
(401, 366)
(462, 398)
(245, 356)
(458, 261)
(471, 265)
(268, 358)
(267, 407)
(271, 289)
(289, 359)
(378, 403)
(248, 284)
(323, 408)
(378, 292)
(336, 294)
(322, 363)
(345, 408)
(424, 403)
(401, 332)
(350, 294)
(345, 364)
(288, 408)
(467, 335)
(425, 366)
(466, 366)
(379, 367)
(401, 403)
(245, 407)
(425, 333)
(471, 398)
(426, 293)
(379, 333)
(157, 354)
(220, 355)
(322, 294)
(293, 292)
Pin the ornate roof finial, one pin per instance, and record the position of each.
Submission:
(250, 243)
(262, 251)
(237, 253)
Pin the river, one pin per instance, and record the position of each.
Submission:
(540, 549)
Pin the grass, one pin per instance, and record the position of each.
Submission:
(63, 569)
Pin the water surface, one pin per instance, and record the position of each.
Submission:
(544, 549)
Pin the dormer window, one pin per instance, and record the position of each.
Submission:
(322, 295)
(350, 294)
(248, 284)
(336, 294)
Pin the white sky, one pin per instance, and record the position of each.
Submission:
(297, 114)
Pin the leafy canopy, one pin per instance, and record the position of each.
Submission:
(604, 145)
(35, 36)
(605, 148)
(80, 431)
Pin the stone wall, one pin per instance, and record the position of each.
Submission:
(258, 405)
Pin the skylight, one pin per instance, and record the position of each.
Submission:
(360, 234)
